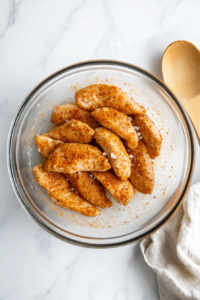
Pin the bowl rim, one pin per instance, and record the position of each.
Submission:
(92, 63)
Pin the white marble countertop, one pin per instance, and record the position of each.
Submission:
(36, 39)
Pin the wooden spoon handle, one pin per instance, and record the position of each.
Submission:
(192, 107)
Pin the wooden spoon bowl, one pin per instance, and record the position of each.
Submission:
(181, 69)
(181, 72)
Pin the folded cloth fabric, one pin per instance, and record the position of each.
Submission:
(173, 251)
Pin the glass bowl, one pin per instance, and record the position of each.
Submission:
(118, 225)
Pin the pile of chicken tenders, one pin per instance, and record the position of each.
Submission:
(106, 142)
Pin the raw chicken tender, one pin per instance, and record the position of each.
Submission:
(89, 188)
(71, 158)
(72, 132)
(114, 148)
(100, 95)
(60, 192)
(62, 113)
(142, 172)
(46, 145)
(122, 191)
(151, 136)
(118, 123)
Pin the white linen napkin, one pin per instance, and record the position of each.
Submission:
(173, 251)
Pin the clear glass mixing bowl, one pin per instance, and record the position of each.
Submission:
(117, 225)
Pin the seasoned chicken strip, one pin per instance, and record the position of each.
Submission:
(61, 113)
(151, 136)
(100, 95)
(89, 188)
(71, 158)
(46, 145)
(72, 132)
(60, 192)
(118, 123)
(116, 152)
(142, 173)
(122, 191)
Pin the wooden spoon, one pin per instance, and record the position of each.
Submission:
(181, 72)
